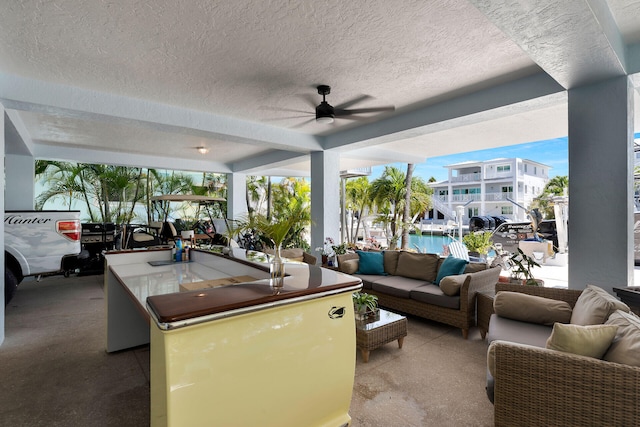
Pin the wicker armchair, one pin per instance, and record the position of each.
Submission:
(539, 387)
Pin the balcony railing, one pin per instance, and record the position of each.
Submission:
(489, 197)
(467, 177)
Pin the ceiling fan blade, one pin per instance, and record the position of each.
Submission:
(277, 119)
(306, 122)
(340, 112)
(290, 110)
(352, 102)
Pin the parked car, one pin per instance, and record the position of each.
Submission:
(38, 242)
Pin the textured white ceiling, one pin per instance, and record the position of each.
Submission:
(158, 78)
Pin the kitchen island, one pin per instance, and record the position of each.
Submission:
(229, 349)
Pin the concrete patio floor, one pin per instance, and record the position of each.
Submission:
(55, 371)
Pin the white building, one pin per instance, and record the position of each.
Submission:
(498, 187)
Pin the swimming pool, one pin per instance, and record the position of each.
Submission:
(428, 243)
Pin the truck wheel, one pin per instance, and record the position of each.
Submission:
(10, 285)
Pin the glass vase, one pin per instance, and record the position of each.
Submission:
(276, 269)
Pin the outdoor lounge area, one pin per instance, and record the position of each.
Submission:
(324, 92)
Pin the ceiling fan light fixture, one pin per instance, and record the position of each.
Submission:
(202, 149)
(324, 119)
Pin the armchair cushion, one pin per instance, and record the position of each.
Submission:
(626, 345)
(530, 308)
(370, 263)
(590, 340)
(594, 306)
(451, 266)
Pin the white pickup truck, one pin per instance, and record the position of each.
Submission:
(38, 242)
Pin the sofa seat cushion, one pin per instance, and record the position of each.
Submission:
(418, 266)
(396, 285)
(432, 294)
(530, 308)
(501, 328)
(625, 348)
(594, 306)
(368, 280)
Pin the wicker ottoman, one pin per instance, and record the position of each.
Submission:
(375, 333)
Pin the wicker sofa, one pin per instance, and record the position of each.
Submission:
(407, 286)
(535, 386)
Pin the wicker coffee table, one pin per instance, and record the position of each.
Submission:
(372, 334)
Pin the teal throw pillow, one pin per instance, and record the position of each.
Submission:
(371, 263)
(451, 266)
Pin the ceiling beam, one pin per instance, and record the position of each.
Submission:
(83, 155)
(536, 90)
(274, 159)
(38, 96)
(17, 138)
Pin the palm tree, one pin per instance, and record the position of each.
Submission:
(406, 215)
(389, 194)
(358, 201)
(557, 186)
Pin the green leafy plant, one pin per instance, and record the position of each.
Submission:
(363, 302)
(522, 266)
(479, 242)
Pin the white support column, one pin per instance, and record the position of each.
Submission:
(20, 187)
(236, 195)
(601, 184)
(325, 197)
(2, 208)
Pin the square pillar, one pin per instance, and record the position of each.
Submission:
(20, 187)
(236, 196)
(325, 197)
(601, 185)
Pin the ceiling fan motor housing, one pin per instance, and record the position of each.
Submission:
(324, 111)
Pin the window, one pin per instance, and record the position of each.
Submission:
(472, 212)
(504, 168)
(535, 170)
(525, 168)
(526, 189)
(507, 210)
(507, 189)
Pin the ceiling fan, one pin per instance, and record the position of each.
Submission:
(326, 113)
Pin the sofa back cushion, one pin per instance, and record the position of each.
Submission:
(390, 261)
(530, 308)
(418, 266)
(594, 306)
(625, 348)
(370, 263)
(473, 267)
(451, 266)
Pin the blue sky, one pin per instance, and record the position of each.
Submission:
(552, 152)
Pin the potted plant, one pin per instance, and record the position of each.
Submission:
(521, 269)
(365, 306)
(478, 242)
